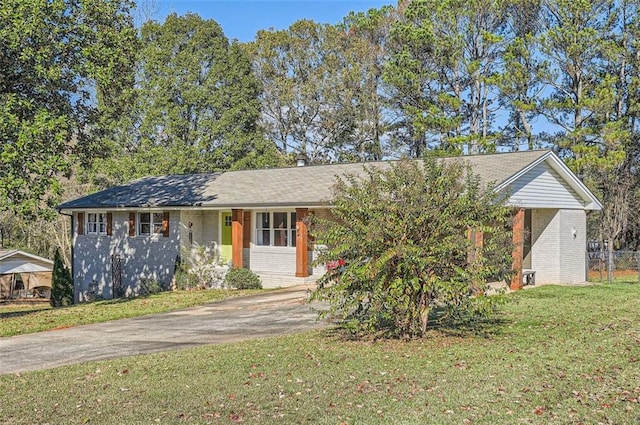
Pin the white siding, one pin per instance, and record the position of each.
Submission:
(542, 187)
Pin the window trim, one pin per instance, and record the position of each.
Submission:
(290, 229)
(92, 228)
(156, 227)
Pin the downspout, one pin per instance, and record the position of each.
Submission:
(73, 275)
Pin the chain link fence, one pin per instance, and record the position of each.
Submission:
(623, 266)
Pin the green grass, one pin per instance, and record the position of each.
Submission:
(23, 319)
(555, 355)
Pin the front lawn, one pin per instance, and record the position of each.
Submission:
(556, 355)
(23, 319)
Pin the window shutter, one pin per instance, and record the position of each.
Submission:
(109, 224)
(81, 223)
(132, 224)
(246, 230)
(165, 224)
(310, 241)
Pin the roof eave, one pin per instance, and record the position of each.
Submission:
(26, 254)
(253, 205)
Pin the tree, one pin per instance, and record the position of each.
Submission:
(43, 235)
(576, 38)
(56, 56)
(321, 87)
(592, 52)
(300, 74)
(196, 104)
(442, 74)
(398, 236)
(366, 44)
(61, 283)
(519, 82)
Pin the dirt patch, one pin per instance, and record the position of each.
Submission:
(617, 274)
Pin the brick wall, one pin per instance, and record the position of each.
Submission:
(573, 242)
(556, 255)
(545, 245)
(150, 257)
(281, 260)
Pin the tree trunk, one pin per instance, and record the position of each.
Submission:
(424, 312)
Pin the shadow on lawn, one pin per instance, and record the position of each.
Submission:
(21, 313)
(438, 322)
(11, 314)
(483, 328)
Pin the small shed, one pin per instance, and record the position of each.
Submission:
(24, 275)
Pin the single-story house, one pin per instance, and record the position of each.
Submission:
(256, 219)
(24, 275)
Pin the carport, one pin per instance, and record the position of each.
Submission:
(24, 276)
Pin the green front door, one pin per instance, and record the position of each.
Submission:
(225, 246)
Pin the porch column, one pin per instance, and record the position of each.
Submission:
(237, 219)
(302, 249)
(518, 249)
(479, 242)
(476, 239)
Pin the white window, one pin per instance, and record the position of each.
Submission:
(150, 223)
(276, 228)
(96, 223)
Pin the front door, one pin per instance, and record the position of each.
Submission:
(225, 245)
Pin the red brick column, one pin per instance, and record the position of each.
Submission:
(479, 242)
(237, 219)
(518, 249)
(476, 239)
(302, 249)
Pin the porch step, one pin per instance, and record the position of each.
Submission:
(275, 280)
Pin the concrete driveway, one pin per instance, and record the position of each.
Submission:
(274, 313)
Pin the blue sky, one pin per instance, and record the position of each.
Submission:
(241, 19)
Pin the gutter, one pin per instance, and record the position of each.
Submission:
(219, 207)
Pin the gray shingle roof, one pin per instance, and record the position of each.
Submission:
(296, 186)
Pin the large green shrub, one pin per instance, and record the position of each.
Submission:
(61, 283)
(398, 242)
(239, 278)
